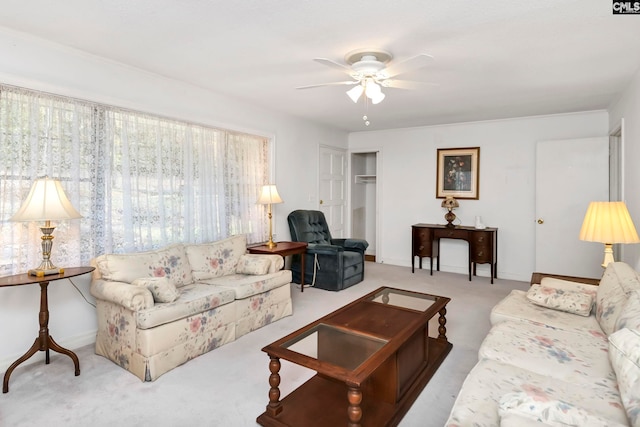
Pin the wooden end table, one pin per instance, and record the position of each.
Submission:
(44, 342)
(283, 249)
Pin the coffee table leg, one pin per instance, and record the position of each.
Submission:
(442, 320)
(274, 407)
(354, 412)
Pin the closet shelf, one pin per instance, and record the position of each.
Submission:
(365, 179)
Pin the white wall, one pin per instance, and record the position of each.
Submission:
(40, 65)
(507, 184)
(628, 108)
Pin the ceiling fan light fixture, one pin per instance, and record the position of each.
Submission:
(377, 98)
(372, 88)
(355, 92)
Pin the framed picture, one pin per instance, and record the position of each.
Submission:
(458, 173)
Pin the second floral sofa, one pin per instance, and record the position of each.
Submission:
(158, 309)
(561, 354)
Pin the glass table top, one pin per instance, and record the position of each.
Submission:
(404, 299)
(326, 343)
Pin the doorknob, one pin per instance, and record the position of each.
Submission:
(540, 221)
(321, 201)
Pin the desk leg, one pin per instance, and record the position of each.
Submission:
(44, 342)
(302, 271)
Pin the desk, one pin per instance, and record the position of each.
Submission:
(44, 342)
(483, 245)
(283, 249)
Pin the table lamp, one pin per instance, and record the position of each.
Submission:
(46, 201)
(450, 203)
(608, 223)
(268, 196)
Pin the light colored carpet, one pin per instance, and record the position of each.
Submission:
(229, 386)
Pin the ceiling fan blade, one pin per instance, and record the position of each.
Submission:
(409, 64)
(334, 64)
(348, 82)
(406, 84)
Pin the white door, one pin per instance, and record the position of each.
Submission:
(569, 174)
(332, 191)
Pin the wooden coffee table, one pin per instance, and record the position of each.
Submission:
(373, 357)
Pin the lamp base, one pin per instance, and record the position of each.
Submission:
(608, 255)
(41, 273)
(450, 217)
(271, 244)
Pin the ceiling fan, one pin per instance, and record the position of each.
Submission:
(371, 70)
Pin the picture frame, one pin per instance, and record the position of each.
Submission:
(458, 173)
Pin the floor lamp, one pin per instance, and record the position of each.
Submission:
(608, 223)
(268, 196)
(46, 201)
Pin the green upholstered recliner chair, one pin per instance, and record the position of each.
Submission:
(331, 264)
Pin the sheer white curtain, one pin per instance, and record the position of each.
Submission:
(43, 135)
(140, 181)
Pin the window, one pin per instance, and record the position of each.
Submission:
(140, 181)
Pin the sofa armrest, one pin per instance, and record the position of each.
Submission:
(134, 298)
(536, 278)
(259, 264)
(358, 245)
(322, 249)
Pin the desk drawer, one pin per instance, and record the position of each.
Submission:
(481, 250)
(422, 242)
(451, 233)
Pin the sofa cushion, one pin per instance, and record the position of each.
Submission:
(160, 287)
(550, 412)
(630, 314)
(560, 299)
(194, 298)
(617, 283)
(170, 262)
(478, 400)
(516, 307)
(200, 332)
(567, 355)
(624, 351)
(216, 259)
(244, 286)
(513, 419)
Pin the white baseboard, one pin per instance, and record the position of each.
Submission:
(70, 343)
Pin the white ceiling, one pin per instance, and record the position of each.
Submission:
(493, 58)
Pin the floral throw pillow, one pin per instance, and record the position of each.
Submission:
(561, 299)
(160, 287)
(253, 264)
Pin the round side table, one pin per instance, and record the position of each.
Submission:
(44, 342)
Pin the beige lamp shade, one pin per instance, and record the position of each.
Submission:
(269, 195)
(608, 223)
(450, 203)
(46, 201)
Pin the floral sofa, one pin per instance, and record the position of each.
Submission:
(157, 310)
(561, 354)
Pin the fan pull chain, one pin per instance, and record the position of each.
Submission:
(366, 110)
